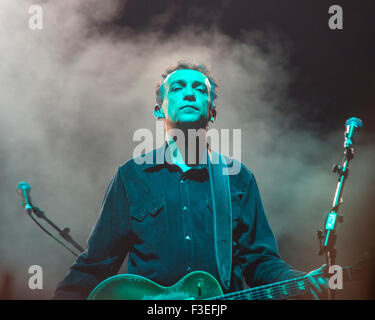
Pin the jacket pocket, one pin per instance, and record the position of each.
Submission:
(149, 218)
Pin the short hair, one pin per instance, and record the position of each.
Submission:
(187, 65)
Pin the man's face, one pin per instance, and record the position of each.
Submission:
(186, 97)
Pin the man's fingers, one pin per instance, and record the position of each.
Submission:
(323, 282)
(314, 283)
(319, 283)
(315, 296)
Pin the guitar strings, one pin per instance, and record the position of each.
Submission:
(278, 292)
(291, 285)
(258, 291)
(293, 290)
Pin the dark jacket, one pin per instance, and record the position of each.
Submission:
(162, 218)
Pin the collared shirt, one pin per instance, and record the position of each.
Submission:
(162, 217)
(176, 157)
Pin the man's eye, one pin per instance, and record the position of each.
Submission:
(176, 88)
(202, 90)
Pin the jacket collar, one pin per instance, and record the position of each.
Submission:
(158, 157)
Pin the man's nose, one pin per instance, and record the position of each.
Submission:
(189, 94)
(190, 97)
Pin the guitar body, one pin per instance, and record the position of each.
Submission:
(195, 285)
(199, 285)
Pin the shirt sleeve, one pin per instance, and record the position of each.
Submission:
(258, 246)
(107, 246)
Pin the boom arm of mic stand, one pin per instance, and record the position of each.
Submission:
(64, 233)
(30, 214)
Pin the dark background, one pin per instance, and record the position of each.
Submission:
(333, 69)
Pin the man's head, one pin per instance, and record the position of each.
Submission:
(186, 95)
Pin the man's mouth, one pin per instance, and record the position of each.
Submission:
(189, 106)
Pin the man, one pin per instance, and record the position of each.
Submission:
(161, 212)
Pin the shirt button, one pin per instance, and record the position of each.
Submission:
(187, 238)
(185, 208)
(188, 268)
(182, 181)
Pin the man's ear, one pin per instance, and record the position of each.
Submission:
(158, 112)
(213, 114)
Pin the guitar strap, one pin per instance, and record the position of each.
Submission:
(222, 216)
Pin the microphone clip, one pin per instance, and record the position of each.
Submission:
(341, 170)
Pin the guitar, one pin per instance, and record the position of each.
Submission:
(198, 285)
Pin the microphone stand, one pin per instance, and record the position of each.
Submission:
(327, 238)
(64, 233)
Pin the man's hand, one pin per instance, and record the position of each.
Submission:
(318, 284)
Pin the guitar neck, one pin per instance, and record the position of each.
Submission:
(278, 290)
